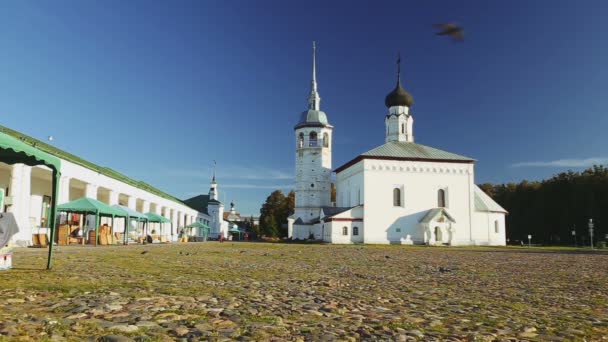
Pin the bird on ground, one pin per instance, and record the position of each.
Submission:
(450, 29)
(144, 252)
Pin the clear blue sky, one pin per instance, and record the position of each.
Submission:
(158, 90)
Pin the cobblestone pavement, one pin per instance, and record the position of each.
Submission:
(257, 291)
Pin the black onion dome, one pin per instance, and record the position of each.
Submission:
(399, 97)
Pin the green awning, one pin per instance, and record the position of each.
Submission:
(153, 217)
(198, 225)
(89, 205)
(132, 213)
(13, 151)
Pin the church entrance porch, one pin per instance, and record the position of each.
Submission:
(437, 227)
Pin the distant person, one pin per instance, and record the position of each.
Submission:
(246, 236)
(221, 238)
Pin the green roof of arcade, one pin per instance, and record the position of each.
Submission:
(53, 151)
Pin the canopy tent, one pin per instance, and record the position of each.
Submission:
(153, 217)
(15, 151)
(156, 218)
(85, 205)
(202, 227)
(235, 230)
(131, 214)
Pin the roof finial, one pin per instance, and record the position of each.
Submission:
(399, 68)
(214, 165)
(314, 99)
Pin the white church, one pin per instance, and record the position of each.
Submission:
(400, 192)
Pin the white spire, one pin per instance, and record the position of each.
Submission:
(314, 99)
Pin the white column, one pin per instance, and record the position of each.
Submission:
(132, 202)
(90, 191)
(64, 190)
(113, 197)
(20, 192)
(145, 207)
(157, 209)
(179, 219)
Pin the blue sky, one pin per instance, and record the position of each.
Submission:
(158, 90)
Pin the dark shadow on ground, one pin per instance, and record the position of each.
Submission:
(532, 250)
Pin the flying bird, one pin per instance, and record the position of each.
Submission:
(450, 29)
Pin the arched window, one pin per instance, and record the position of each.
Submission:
(441, 198)
(496, 227)
(402, 128)
(325, 139)
(396, 197)
(355, 231)
(312, 139)
(301, 140)
(344, 230)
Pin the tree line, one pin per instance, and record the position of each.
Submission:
(551, 209)
(274, 214)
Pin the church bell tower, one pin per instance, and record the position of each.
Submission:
(313, 141)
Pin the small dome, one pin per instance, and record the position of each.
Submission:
(398, 97)
(314, 117)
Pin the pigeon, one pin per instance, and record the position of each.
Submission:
(387, 257)
(144, 252)
(450, 29)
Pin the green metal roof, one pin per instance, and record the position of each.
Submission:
(89, 205)
(399, 149)
(198, 203)
(53, 151)
(483, 202)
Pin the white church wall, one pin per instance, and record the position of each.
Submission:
(419, 183)
(349, 186)
(489, 229)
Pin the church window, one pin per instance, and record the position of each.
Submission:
(301, 140)
(355, 231)
(344, 230)
(398, 230)
(312, 139)
(496, 227)
(312, 185)
(396, 197)
(325, 140)
(402, 128)
(441, 198)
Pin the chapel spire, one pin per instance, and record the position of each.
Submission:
(314, 99)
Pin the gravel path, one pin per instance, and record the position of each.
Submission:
(256, 291)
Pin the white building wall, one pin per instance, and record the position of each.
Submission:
(489, 228)
(419, 183)
(27, 191)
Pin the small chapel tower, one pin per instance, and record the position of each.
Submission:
(399, 121)
(215, 209)
(313, 140)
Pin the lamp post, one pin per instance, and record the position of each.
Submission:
(574, 235)
(591, 232)
(529, 240)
